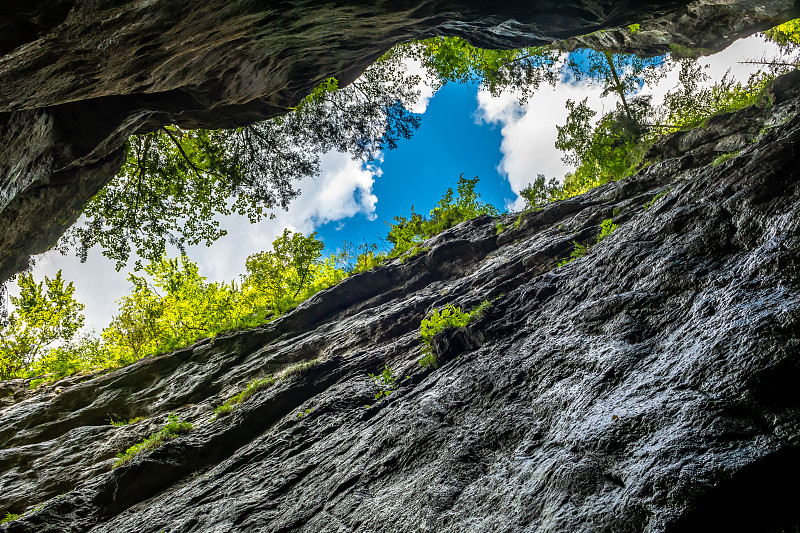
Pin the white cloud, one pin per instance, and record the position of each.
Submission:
(529, 131)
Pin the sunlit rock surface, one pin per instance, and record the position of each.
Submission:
(77, 78)
(648, 386)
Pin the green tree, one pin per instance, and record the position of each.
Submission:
(44, 314)
(692, 101)
(452, 59)
(787, 36)
(608, 150)
(540, 191)
(621, 75)
(174, 309)
(287, 275)
(405, 233)
(82, 354)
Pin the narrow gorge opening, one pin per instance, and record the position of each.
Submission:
(239, 226)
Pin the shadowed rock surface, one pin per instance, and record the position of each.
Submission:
(77, 78)
(648, 386)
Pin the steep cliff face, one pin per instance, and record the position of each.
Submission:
(648, 386)
(77, 78)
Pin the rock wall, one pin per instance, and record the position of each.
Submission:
(648, 386)
(78, 77)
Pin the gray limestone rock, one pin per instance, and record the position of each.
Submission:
(648, 386)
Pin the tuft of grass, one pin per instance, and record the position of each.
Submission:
(299, 368)
(9, 517)
(174, 428)
(655, 198)
(121, 422)
(251, 388)
(724, 157)
(500, 227)
(449, 316)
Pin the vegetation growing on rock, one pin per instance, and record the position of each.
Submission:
(252, 388)
(384, 381)
(449, 316)
(172, 430)
(581, 249)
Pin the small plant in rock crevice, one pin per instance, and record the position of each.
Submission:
(607, 227)
(724, 157)
(655, 198)
(449, 316)
(174, 428)
(9, 517)
(385, 382)
(122, 422)
(577, 252)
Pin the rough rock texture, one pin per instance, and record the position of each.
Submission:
(649, 386)
(77, 78)
(701, 28)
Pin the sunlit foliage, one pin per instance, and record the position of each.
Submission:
(787, 35)
(171, 305)
(692, 101)
(405, 233)
(177, 307)
(45, 313)
(278, 280)
(452, 59)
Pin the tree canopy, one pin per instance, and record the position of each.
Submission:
(44, 314)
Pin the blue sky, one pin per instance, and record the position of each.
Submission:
(463, 130)
(449, 142)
